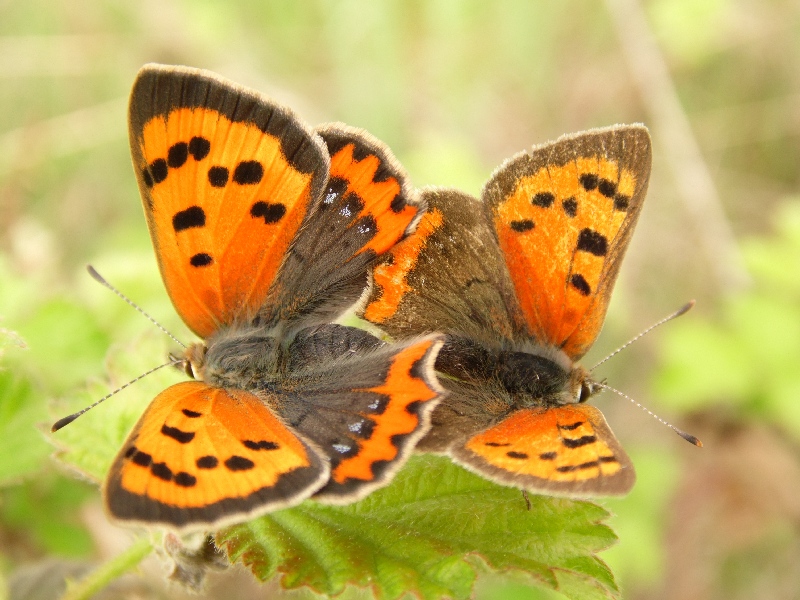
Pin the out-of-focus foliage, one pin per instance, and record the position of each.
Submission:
(745, 361)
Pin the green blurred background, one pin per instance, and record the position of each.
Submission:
(454, 88)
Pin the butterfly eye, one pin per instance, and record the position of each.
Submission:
(195, 359)
(588, 389)
(188, 369)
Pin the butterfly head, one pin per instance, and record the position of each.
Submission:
(581, 385)
(194, 360)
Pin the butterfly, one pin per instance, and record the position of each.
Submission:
(265, 231)
(520, 282)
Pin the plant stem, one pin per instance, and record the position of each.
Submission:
(101, 577)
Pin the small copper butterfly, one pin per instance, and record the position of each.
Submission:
(520, 283)
(265, 231)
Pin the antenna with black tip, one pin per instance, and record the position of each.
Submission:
(69, 419)
(63, 422)
(681, 311)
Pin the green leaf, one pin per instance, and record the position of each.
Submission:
(44, 513)
(429, 533)
(90, 443)
(23, 450)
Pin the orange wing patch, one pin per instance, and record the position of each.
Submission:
(209, 185)
(201, 456)
(390, 277)
(559, 230)
(409, 394)
(363, 167)
(360, 176)
(567, 449)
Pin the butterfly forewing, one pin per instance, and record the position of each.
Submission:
(564, 214)
(368, 206)
(202, 456)
(566, 450)
(227, 177)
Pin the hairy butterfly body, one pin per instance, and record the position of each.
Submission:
(265, 231)
(520, 282)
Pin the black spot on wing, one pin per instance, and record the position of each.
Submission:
(589, 181)
(239, 463)
(162, 471)
(184, 479)
(248, 172)
(571, 426)
(261, 445)
(398, 203)
(517, 455)
(271, 213)
(159, 170)
(522, 226)
(201, 260)
(621, 202)
(570, 206)
(191, 414)
(579, 283)
(177, 155)
(548, 456)
(183, 437)
(607, 188)
(592, 242)
(360, 152)
(194, 216)
(207, 462)
(543, 199)
(141, 458)
(199, 147)
(578, 442)
(570, 468)
(218, 176)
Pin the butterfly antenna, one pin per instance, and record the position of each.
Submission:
(67, 420)
(682, 310)
(687, 436)
(99, 278)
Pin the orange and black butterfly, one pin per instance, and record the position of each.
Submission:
(265, 231)
(520, 282)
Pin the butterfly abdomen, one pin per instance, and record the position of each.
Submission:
(528, 379)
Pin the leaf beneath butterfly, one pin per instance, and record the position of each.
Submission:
(431, 532)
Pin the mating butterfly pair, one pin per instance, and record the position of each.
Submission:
(267, 231)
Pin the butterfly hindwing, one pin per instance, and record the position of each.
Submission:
(564, 214)
(227, 177)
(565, 449)
(203, 456)
(447, 276)
(366, 408)
(367, 207)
